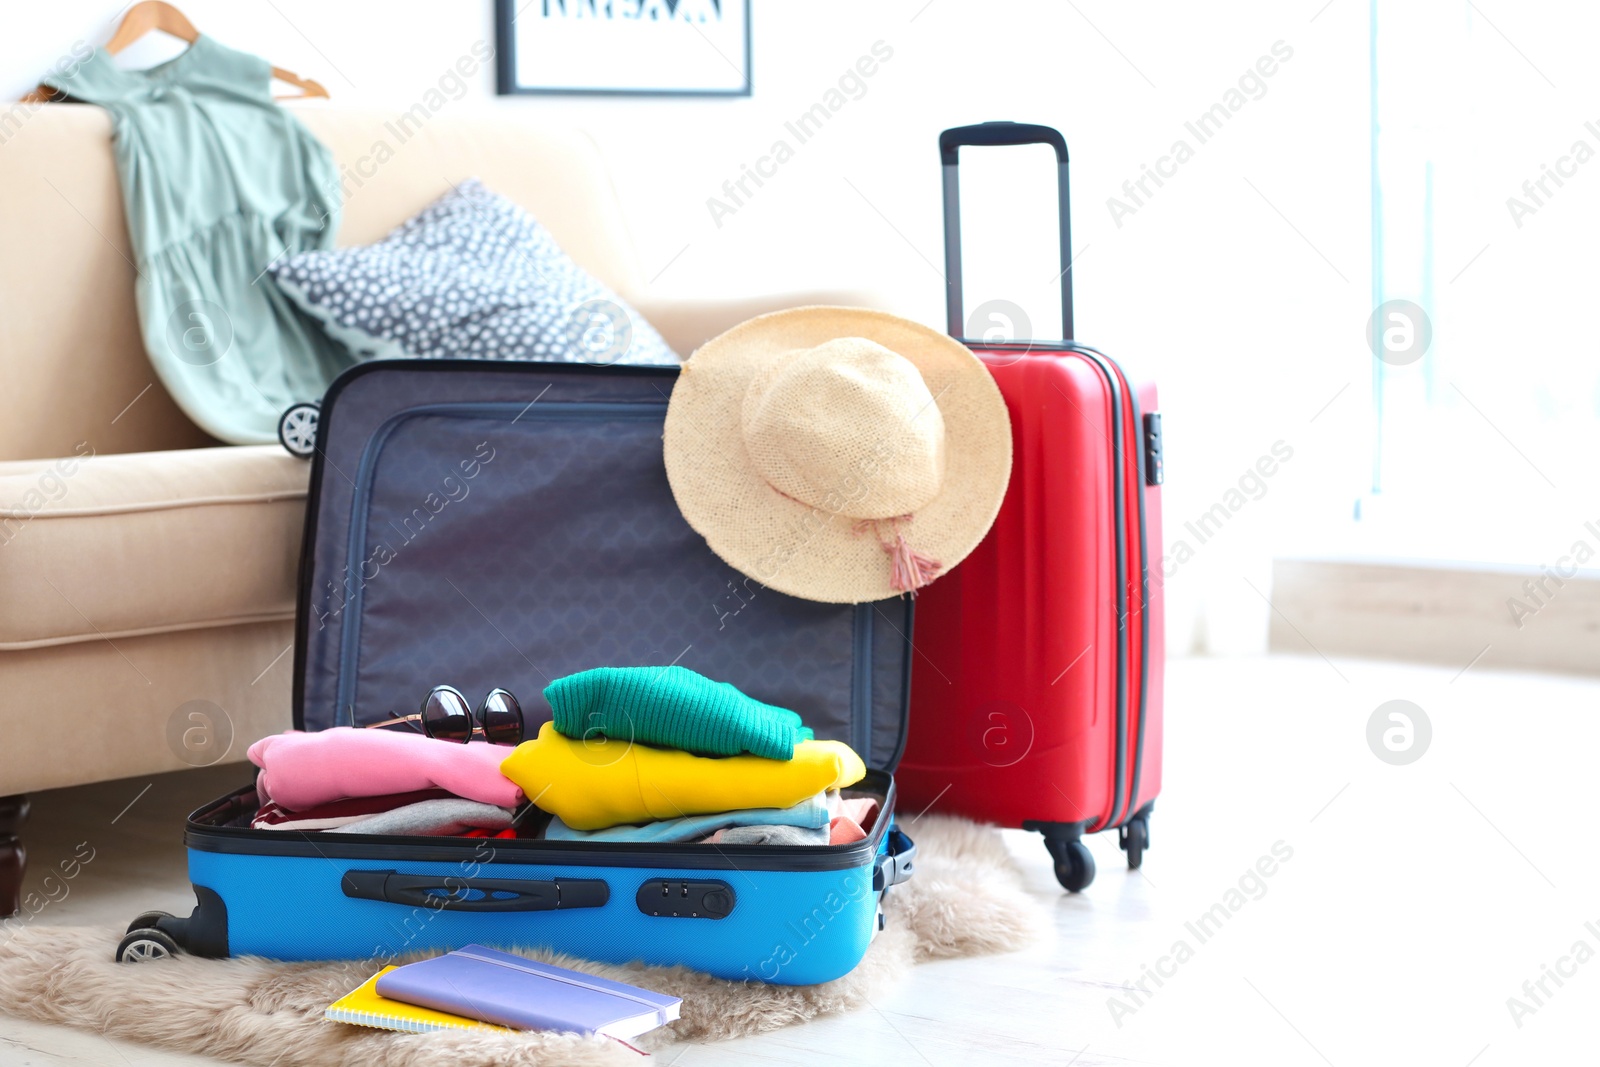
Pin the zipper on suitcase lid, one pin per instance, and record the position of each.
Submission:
(210, 829)
(1118, 444)
(1136, 465)
(1135, 468)
(861, 683)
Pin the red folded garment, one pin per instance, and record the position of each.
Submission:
(853, 821)
(274, 816)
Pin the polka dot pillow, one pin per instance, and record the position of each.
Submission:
(472, 276)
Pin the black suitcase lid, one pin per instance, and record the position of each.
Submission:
(505, 524)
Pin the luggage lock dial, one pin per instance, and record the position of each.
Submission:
(1154, 464)
(672, 898)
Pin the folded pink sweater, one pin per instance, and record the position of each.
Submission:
(301, 770)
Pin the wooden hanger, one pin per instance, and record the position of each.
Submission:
(158, 15)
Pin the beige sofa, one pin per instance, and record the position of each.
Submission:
(147, 574)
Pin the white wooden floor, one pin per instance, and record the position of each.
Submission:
(1415, 900)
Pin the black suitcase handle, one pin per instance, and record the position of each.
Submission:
(446, 892)
(986, 134)
(989, 134)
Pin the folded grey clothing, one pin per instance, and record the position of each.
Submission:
(433, 818)
(770, 835)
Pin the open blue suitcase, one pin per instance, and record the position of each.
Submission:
(488, 525)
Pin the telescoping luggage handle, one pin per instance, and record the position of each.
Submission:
(1017, 133)
(986, 134)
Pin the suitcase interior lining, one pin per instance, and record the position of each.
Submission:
(421, 592)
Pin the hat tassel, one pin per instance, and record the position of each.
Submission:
(909, 570)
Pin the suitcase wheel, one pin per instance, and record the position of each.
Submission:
(1074, 866)
(1064, 842)
(1134, 838)
(144, 945)
(297, 429)
(150, 920)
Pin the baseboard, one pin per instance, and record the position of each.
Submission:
(1452, 615)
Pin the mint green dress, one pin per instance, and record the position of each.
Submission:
(218, 181)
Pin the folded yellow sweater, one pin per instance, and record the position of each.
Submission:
(599, 783)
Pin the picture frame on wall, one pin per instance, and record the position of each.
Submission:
(623, 47)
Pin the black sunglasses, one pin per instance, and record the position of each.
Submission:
(447, 716)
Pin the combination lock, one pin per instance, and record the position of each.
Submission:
(672, 898)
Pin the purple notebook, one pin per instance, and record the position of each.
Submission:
(497, 987)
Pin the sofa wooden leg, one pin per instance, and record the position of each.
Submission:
(13, 857)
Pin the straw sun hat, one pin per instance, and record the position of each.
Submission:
(837, 454)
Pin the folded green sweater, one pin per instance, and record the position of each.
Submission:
(674, 707)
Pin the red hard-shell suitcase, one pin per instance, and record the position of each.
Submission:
(1036, 684)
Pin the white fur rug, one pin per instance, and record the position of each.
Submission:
(965, 899)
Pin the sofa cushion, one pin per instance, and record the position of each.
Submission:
(98, 547)
(142, 706)
(473, 276)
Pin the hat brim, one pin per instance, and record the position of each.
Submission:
(812, 552)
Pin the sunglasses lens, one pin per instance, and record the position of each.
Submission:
(502, 718)
(446, 715)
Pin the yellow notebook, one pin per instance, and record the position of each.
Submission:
(364, 1007)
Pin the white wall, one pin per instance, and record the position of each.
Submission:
(1241, 284)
